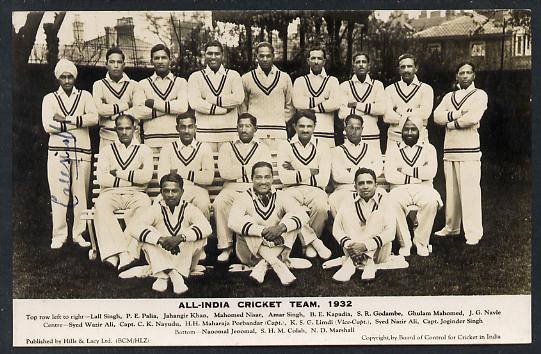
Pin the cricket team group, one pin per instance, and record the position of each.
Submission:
(243, 120)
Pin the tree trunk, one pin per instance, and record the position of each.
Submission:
(349, 55)
(283, 36)
(302, 35)
(330, 43)
(23, 41)
(51, 37)
(269, 35)
(248, 28)
(336, 43)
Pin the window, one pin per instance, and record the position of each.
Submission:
(433, 48)
(522, 44)
(477, 49)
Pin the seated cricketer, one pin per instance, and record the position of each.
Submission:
(192, 160)
(304, 167)
(235, 161)
(347, 158)
(267, 222)
(173, 233)
(410, 169)
(123, 172)
(365, 227)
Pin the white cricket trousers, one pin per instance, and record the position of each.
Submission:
(316, 200)
(463, 200)
(425, 197)
(67, 174)
(161, 260)
(222, 207)
(111, 239)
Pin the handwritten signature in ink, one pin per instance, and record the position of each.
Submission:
(65, 161)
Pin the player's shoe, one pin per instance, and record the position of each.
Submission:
(345, 273)
(224, 256)
(259, 271)
(179, 287)
(79, 240)
(321, 249)
(57, 244)
(445, 232)
(160, 285)
(369, 270)
(284, 274)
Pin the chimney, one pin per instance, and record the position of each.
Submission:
(124, 32)
(109, 37)
(78, 30)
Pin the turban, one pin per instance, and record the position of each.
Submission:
(415, 119)
(65, 66)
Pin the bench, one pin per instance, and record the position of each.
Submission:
(153, 190)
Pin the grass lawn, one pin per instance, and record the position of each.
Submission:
(500, 264)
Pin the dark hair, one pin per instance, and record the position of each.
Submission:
(172, 177)
(261, 164)
(318, 47)
(407, 56)
(308, 113)
(361, 53)
(353, 116)
(364, 170)
(214, 43)
(124, 115)
(247, 115)
(263, 45)
(465, 63)
(190, 113)
(114, 50)
(159, 47)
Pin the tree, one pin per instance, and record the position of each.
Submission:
(51, 37)
(23, 41)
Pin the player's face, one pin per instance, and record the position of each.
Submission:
(465, 76)
(365, 186)
(115, 65)
(316, 61)
(124, 130)
(186, 130)
(354, 130)
(214, 57)
(67, 80)
(361, 65)
(262, 179)
(410, 133)
(161, 62)
(305, 128)
(171, 193)
(246, 130)
(407, 69)
(265, 57)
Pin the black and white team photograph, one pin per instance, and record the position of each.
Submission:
(239, 154)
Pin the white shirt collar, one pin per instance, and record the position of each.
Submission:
(377, 197)
(253, 141)
(254, 194)
(415, 81)
(367, 79)
(295, 139)
(123, 78)
(348, 143)
(122, 146)
(261, 72)
(419, 142)
(323, 73)
(169, 76)
(193, 144)
(468, 89)
(61, 92)
(221, 70)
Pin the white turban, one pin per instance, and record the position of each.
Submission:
(415, 119)
(65, 66)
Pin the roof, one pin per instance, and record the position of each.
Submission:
(462, 26)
